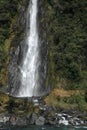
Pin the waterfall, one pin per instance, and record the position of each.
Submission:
(30, 66)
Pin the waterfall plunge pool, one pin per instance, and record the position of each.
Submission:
(43, 128)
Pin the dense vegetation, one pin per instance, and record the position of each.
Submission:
(68, 42)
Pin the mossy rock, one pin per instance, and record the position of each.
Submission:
(4, 99)
(18, 106)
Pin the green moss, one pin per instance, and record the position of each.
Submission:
(4, 99)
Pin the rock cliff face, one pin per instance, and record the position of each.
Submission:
(18, 48)
(42, 29)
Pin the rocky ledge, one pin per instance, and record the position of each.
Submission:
(38, 113)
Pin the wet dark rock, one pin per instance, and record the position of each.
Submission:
(14, 72)
(12, 120)
(33, 118)
(1, 85)
(21, 121)
(50, 119)
(40, 121)
(28, 117)
(17, 49)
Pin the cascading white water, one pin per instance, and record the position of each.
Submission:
(29, 70)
